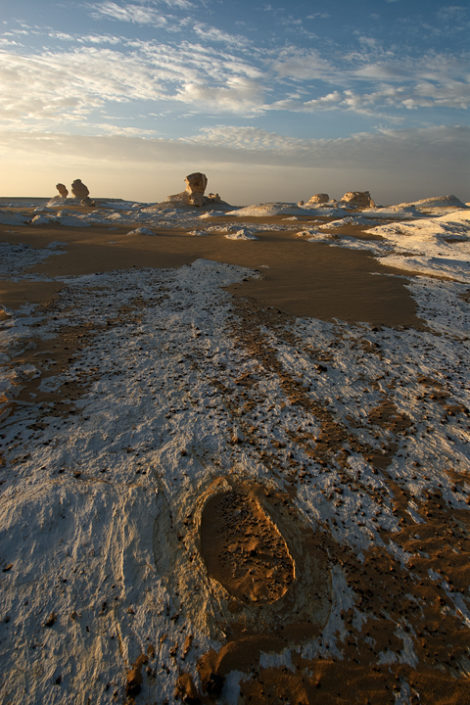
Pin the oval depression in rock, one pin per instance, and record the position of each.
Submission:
(243, 549)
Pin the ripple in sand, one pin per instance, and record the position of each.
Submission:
(243, 549)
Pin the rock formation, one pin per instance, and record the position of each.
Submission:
(194, 194)
(80, 191)
(62, 189)
(195, 186)
(357, 199)
(318, 199)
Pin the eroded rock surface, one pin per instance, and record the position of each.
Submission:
(196, 184)
(62, 189)
(81, 191)
(358, 199)
(318, 198)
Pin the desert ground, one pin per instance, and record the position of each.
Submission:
(234, 456)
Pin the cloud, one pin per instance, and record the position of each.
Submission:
(213, 72)
(361, 84)
(318, 15)
(245, 138)
(245, 164)
(70, 85)
(441, 148)
(137, 14)
(454, 14)
(432, 143)
(302, 64)
(112, 129)
(212, 34)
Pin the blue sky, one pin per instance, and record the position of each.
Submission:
(272, 100)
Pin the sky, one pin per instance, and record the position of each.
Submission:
(272, 100)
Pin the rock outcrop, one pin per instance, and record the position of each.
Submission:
(318, 199)
(62, 189)
(80, 191)
(357, 200)
(194, 194)
(195, 186)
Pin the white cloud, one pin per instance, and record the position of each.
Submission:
(435, 145)
(212, 71)
(112, 129)
(98, 39)
(444, 149)
(392, 83)
(237, 95)
(212, 34)
(244, 164)
(246, 138)
(71, 84)
(138, 14)
(302, 64)
(318, 15)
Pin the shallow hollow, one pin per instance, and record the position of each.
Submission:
(243, 549)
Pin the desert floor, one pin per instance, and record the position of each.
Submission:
(231, 471)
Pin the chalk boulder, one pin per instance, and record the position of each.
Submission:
(318, 199)
(62, 189)
(357, 200)
(80, 191)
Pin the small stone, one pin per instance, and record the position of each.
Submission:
(133, 682)
(50, 620)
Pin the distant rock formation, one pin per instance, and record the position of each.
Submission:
(62, 189)
(80, 191)
(195, 186)
(435, 203)
(357, 199)
(317, 199)
(194, 194)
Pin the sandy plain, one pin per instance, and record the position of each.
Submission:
(365, 600)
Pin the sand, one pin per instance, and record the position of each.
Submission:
(229, 485)
(322, 281)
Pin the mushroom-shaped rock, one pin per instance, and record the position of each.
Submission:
(194, 194)
(80, 191)
(195, 186)
(62, 189)
(358, 199)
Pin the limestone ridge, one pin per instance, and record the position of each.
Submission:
(357, 200)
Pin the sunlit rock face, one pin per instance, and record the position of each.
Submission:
(62, 189)
(318, 198)
(358, 199)
(195, 186)
(80, 191)
(194, 194)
